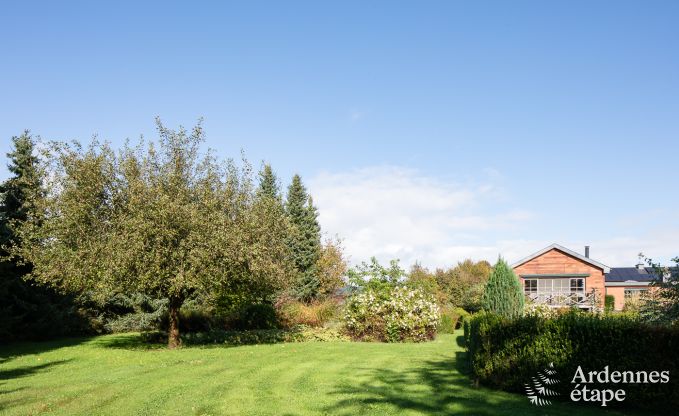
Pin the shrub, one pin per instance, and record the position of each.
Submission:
(609, 303)
(462, 316)
(392, 315)
(300, 333)
(508, 353)
(451, 319)
(255, 316)
(633, 304)
(448, 322)
(503, 294)
(317, 314)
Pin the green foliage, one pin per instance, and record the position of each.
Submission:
(465, 283)
(300, 333)
(166, 222)
(396, 314)
(661, 306)
(330, 268)
(130, 313)
(460, 286)
(256, 316)
(376, 277)
(506, 353)
(304, 240)
(503, 294)
(268, 184)
(29, 310)
(420, 278)
(452, 319)
(609, 303)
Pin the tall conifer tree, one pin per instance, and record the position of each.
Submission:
(305, 239)
(27, 311)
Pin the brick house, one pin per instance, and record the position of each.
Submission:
(559, 277)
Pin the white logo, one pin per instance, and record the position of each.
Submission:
(537, 391)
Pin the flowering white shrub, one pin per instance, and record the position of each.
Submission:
(392, 314)
(539, 310)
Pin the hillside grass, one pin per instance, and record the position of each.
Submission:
(117, 375)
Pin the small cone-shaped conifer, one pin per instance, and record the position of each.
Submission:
(503, 294)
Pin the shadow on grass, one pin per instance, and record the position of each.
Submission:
(438, 386)
(9, 352)
(28, 370)
(24, 371)
(130, 341)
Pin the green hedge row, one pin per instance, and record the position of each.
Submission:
(507, 353)
(451, 319)
(299, 333)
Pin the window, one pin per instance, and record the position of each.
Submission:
(530, 286)
(554, 286)
(632, 293)
(577, 285)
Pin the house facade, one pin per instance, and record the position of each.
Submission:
(559, 277)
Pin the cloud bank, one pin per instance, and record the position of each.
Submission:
(395, 212)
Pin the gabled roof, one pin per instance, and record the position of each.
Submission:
(563, 249)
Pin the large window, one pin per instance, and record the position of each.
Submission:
(554, 286)
(633, 293)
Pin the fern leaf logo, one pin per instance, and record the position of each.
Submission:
(538, 390)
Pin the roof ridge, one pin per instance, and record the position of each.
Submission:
(555, 246)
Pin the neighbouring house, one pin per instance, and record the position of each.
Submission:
(560, 277)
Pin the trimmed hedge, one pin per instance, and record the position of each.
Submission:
(452, 319)
(300, 333)
(507, 353)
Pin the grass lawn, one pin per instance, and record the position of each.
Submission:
(115, 375)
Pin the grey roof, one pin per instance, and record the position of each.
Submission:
(563, 249)
(624, 274)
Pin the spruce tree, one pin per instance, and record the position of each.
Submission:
(17, 191)
(503, 294)
(268, 183)
(305, 239)
(27, 311)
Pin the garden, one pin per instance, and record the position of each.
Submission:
(154, 280)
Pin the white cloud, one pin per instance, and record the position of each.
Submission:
(394, 212)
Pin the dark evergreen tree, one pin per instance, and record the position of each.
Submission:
(503, 294)
(27, 310)
(305, 239)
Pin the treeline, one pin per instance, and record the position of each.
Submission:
(100, 234)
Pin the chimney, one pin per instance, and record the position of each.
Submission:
(587, 251)
(640, 263)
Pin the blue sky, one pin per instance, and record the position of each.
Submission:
(426, 131)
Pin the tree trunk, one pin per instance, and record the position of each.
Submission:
(173, 340)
